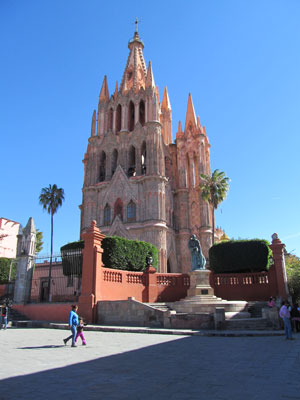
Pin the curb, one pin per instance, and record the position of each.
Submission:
(148, 330)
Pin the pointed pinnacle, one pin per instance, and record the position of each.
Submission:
(165, 101)
(150, 79)
(190, 114)
(104, 94)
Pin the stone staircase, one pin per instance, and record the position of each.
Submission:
(241, 324)
(160, 306)
(252, 321)
(255, 307)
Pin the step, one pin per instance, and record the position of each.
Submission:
(248, 323)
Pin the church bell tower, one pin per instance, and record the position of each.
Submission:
(138, 183)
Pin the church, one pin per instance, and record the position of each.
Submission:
(138, 184)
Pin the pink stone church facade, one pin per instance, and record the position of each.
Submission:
(138, 184)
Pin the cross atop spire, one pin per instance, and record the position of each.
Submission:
(136, 24)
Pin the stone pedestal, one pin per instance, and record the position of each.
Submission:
(201, 299)
(199, 285)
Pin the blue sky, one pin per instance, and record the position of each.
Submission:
(239, 59)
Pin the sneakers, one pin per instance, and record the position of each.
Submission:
(65, 342)
(83, 344)
(73, 345)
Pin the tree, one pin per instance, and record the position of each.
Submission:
(51, 199)
(39, 241)
(292, 263)
(214, 190)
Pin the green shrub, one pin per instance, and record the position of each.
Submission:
(4, 269)
(130, 255)
(118, 253)
(240, 256)
(71, 255)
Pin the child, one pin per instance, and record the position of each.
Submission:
(80, 332)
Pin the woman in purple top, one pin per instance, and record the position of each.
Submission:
(284, 313)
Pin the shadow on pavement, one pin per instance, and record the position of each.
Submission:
(186, 368)
(40, 347)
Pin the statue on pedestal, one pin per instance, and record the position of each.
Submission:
(198, 259)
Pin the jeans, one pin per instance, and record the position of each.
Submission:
(287, 327)
(3, 321)
(73, 336)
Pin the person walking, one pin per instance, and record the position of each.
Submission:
(80, 332)
(4, 313)
(285, 314)
(73, 322)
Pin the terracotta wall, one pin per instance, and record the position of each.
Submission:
(2, 290)
(257, 286)
(54, 312)
(145, 287)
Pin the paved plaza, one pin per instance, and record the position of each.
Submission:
(36, 365)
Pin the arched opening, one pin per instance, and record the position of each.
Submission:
(102, 168)
(131, 117)
(114, 161)
(119, 118)
(187, 171)
(110, 119)
(196, 170)
(168, 267)
(131, 212)
(143, 158)
(107, 215)
(118, 208)
(142, 113)
(131, 162)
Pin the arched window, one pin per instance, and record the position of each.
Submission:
(118, 209)
(142, 113)
(107, 215)
(131, 117)
(119, 118)
(131, 162)
(102, 168)
(110, 118)
(143, 158)
(114, 161)
(131, 212)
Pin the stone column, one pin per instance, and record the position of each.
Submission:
(26, 253)
(279, 263)
(91, 273)
(152, 286)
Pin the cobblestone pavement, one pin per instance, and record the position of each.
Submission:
(36, 365)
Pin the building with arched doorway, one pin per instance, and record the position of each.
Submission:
(138, 183)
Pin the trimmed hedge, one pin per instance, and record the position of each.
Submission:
(240, 256)
(118, 253)
(130, 255)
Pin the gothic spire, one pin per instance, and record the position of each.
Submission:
(104, 94)
(135, 73)
(150, 78)
(165, 101)
(190, 118)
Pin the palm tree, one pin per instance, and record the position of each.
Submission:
(51, 199)
(214, 190)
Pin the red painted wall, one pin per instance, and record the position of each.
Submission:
(54, 312)
(119, 285)
(257, 286)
